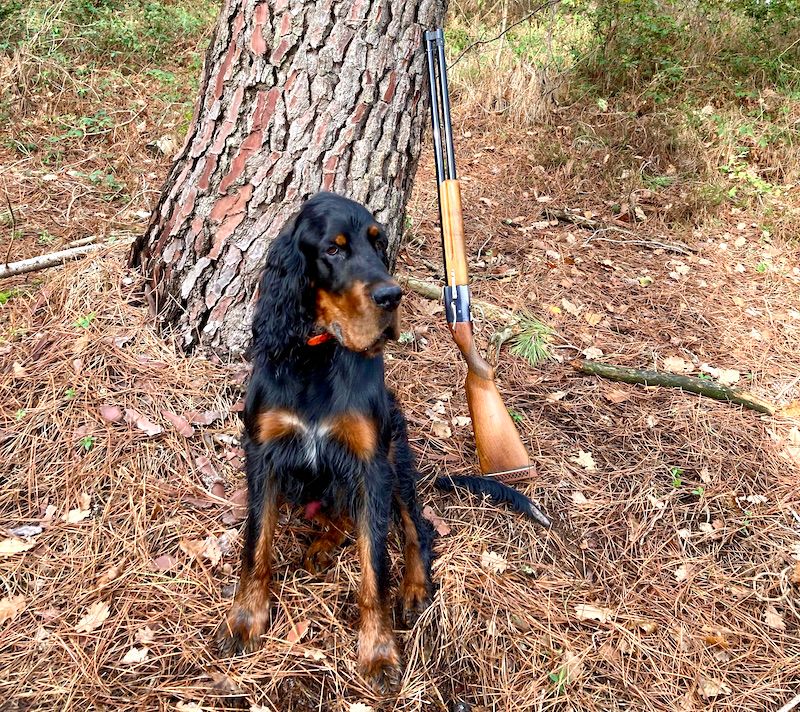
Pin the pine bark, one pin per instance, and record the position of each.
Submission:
(296, 97)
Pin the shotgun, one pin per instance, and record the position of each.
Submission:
(500, 450)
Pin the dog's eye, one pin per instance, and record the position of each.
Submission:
(332, 250)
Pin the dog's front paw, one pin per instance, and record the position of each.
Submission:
(414, 601)
(241, 630)
(379, 663)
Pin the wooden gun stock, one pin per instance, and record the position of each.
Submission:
(500, 449)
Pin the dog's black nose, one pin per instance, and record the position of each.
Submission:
(387, 295)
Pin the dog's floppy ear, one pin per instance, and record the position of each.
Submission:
(281, 319)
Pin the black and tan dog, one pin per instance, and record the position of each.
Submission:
(323, 432)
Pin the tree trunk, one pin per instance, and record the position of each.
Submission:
(296, 97)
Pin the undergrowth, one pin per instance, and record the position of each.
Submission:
(674, 111)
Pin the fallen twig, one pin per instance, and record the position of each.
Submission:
(33, 264)
(598, 227)
(692, 384)
(650, 244)
(82, 241)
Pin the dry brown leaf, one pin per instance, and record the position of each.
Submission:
(149, 428)
(18, 370)
(593, 353)
(647, 626)
(725, 376)
(441, 429)
(773, 618)
(95, 617)
(9, 547)
(579, 498)
(192, 547)
(616, 395)
(165, 562)
(438, 523)
(208, 548)
(795, 575)
(712, 687)
(205, 466)
(675, 364)
(11, 607)
(593, 318)
(111, 413)
(314, 654)
(682, 572)
(179, 423)
(298, 631)
(461, 421)
(570, 308)
(188, 707)
(81, 512)
(239, 501)
(110, 574)
(227, 541)
(584, 459)
(135, 655)
(49, 513)
(203, 418)
(792, 410)
(494, 562)
(587, 612)
(145, 635)
(359, 707)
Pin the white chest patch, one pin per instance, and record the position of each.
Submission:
(313, 437)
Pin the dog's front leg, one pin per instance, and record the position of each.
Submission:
(378, 657)
(248, 618)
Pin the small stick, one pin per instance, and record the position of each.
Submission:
(589, 224)
(671, 380)
(33, 264)
(791, 704)
(82, 241)
(650, 244)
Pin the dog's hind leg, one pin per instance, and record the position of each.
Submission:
(319, 555)
(415, 590)
(248, 618)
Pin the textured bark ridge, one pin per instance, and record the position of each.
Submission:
(296, 97)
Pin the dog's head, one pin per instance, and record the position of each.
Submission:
(327, 271)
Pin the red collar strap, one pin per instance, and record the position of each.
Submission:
(319, 339)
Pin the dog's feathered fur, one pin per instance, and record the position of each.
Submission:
(323, 432)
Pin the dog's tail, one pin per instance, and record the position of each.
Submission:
(498, 492)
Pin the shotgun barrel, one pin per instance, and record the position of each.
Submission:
(500, 449)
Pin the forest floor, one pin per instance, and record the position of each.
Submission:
(131, 516)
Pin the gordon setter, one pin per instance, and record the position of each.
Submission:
(323, 432)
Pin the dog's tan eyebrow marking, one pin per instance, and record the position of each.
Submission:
(340, 240)
(373, 231)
